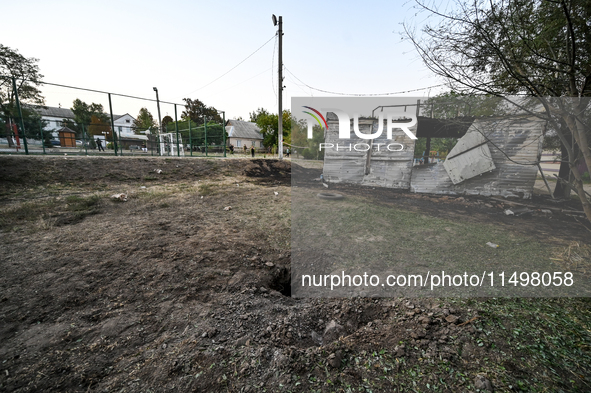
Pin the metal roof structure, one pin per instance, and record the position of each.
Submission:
(243, 129)
(62, 113)
(66, 129)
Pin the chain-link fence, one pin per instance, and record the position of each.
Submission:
(27, 129)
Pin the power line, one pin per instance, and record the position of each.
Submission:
(231, 69)
(361, 94)
(299, 86)
(96, 91)
(246, 80)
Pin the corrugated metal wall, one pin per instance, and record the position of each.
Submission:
(384, 168)
(512, 142)
(469, 158)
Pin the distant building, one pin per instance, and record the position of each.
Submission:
(244, 133)
(55, 119)
(124, 125)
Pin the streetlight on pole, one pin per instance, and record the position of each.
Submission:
(224, 130)
(280, 117)
(159, 116)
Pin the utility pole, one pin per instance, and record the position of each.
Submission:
(280, 117)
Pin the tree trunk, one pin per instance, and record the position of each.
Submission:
(578, 131)
(562, 189)
(582, 196)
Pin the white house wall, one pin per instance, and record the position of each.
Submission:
(124, 125)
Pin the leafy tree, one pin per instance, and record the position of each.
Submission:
(254, 115)
(34, 123)
(86, 115)
(308, 148)
(451, 105)
(27, 77)
(197, 111)
(165, 121)
(269, 125)
(98, 126)
(538, 48)
(144, 122)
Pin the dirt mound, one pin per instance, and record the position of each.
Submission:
(269, 169)
(42, 170)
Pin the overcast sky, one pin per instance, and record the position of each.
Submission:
(128, 47)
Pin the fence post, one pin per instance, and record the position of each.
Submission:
(121, 146)
(151, 141)
(42, 138)
(20, 114)
(190, 138)
(176, 128)
(112, 126)
(224, 131)
(205, 137)
(85, 139)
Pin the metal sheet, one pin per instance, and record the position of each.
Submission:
(469, 158)
(514, 144)
(378, 166)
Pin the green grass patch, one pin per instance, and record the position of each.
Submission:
(356, 234)
(71, 209)
(208, 189)
(77, 203)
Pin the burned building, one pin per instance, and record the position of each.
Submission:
(493, 156)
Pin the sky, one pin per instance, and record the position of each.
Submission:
(184, 48)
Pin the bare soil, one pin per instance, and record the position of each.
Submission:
(183, 284)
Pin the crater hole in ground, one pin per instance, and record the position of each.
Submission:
(281, 281)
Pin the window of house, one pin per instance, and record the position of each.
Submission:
(120, 129)
(238, 143)
(253, 143)
(262, 144)
(128, 121)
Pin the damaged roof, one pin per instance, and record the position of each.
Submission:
(428, 127)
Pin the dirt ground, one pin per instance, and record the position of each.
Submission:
(183, 284)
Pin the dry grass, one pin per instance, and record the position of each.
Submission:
(576, 257)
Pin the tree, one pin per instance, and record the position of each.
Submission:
(86, 115)
(25, 72)
(165, 121)
(199, 112)
(269, 125)
(539, 48)
(145, 122)
(98, 126)
(308, 148)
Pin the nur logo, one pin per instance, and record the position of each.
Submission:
(393, 121)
